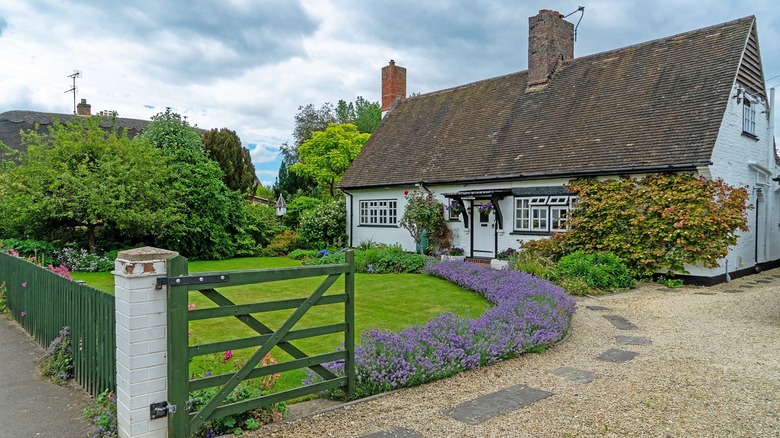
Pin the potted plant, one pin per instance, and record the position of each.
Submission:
(502, 259)
(454, 253)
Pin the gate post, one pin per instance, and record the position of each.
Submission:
(141, 340)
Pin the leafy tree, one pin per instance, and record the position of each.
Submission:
(212, 221)
(79, 176)
(224, 147)
(424, 213)
(291, 185)
(297, 207)
(662, 221)
(363, 114)
(327, 154)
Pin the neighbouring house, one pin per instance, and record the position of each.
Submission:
(12, 123)
(693, 102)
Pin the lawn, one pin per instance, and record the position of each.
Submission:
(385, 301)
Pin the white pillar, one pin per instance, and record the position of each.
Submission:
(141, 341)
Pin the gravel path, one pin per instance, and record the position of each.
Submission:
(712, 369)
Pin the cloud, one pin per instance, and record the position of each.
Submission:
(3, 25)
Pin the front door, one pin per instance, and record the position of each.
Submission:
(483, 236)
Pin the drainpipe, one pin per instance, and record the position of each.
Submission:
(351, 218)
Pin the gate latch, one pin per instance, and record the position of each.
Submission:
(161, 409)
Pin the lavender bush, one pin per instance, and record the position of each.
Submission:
(529, 313)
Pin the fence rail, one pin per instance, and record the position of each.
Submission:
(44, 302)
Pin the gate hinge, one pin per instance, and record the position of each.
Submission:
(195, 279)
(161, 409)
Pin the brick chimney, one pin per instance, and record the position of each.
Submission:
(393, 85)
(550, 42)
(83, 108)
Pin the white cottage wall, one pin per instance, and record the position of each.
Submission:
(741, 160)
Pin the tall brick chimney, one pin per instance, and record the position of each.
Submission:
(83, 108)
(393, 85)
(550, 42)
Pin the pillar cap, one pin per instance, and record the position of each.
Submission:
(146, 254)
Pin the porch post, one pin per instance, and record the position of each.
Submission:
(141, 341)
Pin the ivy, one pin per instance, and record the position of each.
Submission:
(659, 222)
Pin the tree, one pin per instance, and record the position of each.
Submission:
(424, 213)
(224, 147)
(659, 222)
(212, 222)
(79, 176)
(291, 185)
(327, 154)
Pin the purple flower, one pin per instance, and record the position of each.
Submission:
(370, 268)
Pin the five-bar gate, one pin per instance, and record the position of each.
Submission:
(182, 422)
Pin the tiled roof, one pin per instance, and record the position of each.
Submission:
(649, 105)
(12, 122)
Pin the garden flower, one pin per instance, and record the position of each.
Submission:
(24, 284)
(191, 306)
(23, 313)
(228, 356)
(370, 268)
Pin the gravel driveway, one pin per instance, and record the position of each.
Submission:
(710, 366)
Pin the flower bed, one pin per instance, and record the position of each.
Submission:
(528, 314)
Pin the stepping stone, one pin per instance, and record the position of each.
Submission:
(713, 293)
(498, 403)
(618, 356)
(597, 307)
(633, 340)
(395, 433)
(620, 323)
(574, 374)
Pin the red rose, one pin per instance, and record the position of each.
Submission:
(406, 192)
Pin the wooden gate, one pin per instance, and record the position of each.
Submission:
(182, 422)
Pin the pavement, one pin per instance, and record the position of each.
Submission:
(29, 405)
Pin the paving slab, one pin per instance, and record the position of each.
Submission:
(483, 408)
(581, 376)
(620, 323)
(617, 356)
(394, 433)
(633, 340)
(597, 308)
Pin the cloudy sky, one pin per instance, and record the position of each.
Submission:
(249, 64)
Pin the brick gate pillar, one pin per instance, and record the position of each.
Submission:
(141, 340)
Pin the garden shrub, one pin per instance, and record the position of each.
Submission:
(302, 254)
(57, 364)
(534, 263)
(263, 224)
(296, 208)
(659, 222)
(377, 261)
(38, 251)
(601, 270)
(324, 226)
(529, 314)
(281, 244)
(82, 260)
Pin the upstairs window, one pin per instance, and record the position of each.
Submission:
(379, 212)
(748, 115)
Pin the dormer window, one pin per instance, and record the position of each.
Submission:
(748, 115)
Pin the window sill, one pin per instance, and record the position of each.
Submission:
(749, 135)
(376, 226)
(530, 233)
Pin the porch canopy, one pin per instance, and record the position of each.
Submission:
(494, 195)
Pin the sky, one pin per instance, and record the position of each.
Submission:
(248, 65)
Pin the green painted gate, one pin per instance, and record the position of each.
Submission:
(182, 422)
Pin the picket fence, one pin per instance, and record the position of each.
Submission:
(44, 302)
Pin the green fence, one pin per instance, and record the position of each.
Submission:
(43, 302)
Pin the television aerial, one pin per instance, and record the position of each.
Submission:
(76, 74)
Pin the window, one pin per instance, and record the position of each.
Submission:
(379, 212)
(748, 116)
(543, 213)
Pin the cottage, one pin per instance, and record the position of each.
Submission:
(503, 148)
(12, 123)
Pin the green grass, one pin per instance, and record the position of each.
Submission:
(383, 301)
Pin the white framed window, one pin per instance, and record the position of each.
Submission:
(543, 213)
(748, 115)
(379, 212)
